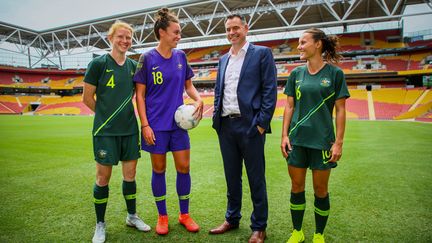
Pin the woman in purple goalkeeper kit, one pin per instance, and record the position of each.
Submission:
(162, 75)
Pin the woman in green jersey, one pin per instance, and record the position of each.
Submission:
(308, 137)
(115, 127)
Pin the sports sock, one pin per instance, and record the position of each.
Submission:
(129, 193)
(297, 206)
(322, 210)
(183, 184)
(159, 191)
(100, 199)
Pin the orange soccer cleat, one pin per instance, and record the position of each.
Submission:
(188, 223)
(162, 225)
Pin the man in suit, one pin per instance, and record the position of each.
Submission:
(245, 99)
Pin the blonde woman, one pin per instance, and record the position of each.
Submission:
(115, 128)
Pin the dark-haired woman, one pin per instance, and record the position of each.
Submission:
(308, 138)
(163, 73)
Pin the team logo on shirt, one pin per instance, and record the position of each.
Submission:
(101, 154)
(325, 82)
(179, 66)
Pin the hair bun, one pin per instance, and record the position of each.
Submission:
(163, 12)
(163, 17)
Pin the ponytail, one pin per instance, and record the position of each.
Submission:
(330, 45)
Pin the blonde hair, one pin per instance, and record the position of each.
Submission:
(119, 24)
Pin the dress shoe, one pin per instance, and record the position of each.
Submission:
(257, 237)
(224, 228)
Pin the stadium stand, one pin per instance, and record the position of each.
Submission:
(56, 105)
(206, 54)
(427, 98)
(10, 104)
(395, 63)
(425, 118)
(208, 100)
(347, 65)
(204, 74)
(379, 59)
(351, 42)
(387, 103)
(392, 102)
(26, 78)
(357, 104)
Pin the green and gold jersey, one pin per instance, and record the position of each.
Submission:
(314, 99)
(114, 114)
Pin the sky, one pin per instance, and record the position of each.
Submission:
(46, 14)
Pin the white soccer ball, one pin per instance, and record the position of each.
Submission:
(184, 118)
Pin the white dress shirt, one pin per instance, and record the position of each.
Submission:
(232, 75)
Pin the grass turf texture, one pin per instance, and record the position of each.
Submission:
(380, 191)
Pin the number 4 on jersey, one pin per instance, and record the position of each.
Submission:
(111, 82)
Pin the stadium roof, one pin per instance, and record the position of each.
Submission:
(203, 20)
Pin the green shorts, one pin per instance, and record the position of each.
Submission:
(314, 159)
(109, 150)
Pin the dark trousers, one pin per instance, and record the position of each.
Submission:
(236, 146)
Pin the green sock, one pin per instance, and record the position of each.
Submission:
(322, 210)
(297, 206)
(100, 199)
(129, 193)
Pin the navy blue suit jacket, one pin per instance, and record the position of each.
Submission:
(256, 91)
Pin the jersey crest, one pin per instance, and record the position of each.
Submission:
(325, 82)
(101, 154)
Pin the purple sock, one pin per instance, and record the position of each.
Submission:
(183, 190)
(159, 191)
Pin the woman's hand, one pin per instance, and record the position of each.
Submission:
(148, 135)
(336, 152)
(285, 146)
(199, 106)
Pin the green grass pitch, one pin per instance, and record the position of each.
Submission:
(380, 192)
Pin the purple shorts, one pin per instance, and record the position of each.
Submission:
(175, 140)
